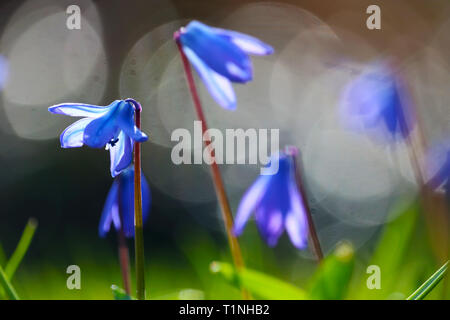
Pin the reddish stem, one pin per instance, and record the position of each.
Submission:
(216, 176)
(312, 229)
(138, 221)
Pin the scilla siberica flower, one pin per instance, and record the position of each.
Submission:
(221, 56)
(277, 204)
(438, 166)
(375, 102)
(119, 205)
(109, 126)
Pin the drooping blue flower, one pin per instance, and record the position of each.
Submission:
(277, 205)
(375, 102)
(438, 166)
(109, 126)
(119, 205)
(221, 56)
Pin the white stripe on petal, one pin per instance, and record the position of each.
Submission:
(72, 137)
(218, 86)
(248, 44)
(79, 110)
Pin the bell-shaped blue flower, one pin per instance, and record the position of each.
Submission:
(438, 166)
(119, 205)
(375, 102)
(221, 56)
(109, 126)
(277, 205)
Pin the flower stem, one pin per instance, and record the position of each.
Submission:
(312, 229)
(216, 176)
(138, 223)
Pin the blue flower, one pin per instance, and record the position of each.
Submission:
(110, 126)
(119, 205)
(277, 204)
(221, 56)
(375, 102)
(438, 166)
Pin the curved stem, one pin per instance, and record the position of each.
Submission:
(138, 223)
(216, 176)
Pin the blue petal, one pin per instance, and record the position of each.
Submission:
(121, 154)
(72, 136)
(127, 200)
(247, 43)
(270, 224)
(249, 202)
(376, 100)
(218, 86)
(79, 110)
(125, 120)
(296, 223)
(218, 53)
(110, 211)
(101, 130)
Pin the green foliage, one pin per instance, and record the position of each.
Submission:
(120, 294)
(183, 294)
(11, 266)
(429, 285)
(333, 275)
(9, 289)
(391, 250)
(258, 283)
(21, 249)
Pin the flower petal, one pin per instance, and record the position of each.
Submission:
(296, 222)
(127, 200)
(218, 86)
(110, 211)
(247, 43)
(72, 136)
(125, 120)
(79, 110)
(218, 53)
(249, 202)
(101, 131)
(270, 224)
(120, 154)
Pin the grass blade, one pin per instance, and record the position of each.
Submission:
(21, 248)
(429, 285)
(259, 284)
(120, 294)
(9, 289)
(332, 279)
(389, 257)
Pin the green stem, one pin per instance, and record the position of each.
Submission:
(21, 248)
(9, 289)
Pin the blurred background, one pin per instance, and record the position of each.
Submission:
(125, 49)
